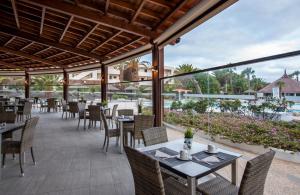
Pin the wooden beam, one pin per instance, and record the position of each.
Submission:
(106, 41)
(42, 21)
(66, 28)
(47, 42)
(41, 51)
(32, 57)
(72, 57)
(10, 65)
(28, 45)
(106, 7)
(55, 55)
(14, 7)
(173, 11)
(93, 16)
(138, 11)
(9, 41)
(87, 35)
(123, 46)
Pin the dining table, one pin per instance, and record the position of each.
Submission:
(195, 167)
(9, 127)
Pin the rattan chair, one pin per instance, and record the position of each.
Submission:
(253, 180)
(109, 132)
(95, 115)
(25, 112)
(65, 108)
(141, 122)
(82, 115)
(154, 135)
(19, 147)
(73, 109)
(112, 117)
(147, 176)
(52, 104)
(7, 117)
(43, 105)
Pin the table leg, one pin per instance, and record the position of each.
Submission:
(191, 185)
(121, 136)
(84, 121)
(0, 156)
(234, 172)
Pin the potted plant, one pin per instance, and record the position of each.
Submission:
(140, 105)
(104, 103)
(188, 137)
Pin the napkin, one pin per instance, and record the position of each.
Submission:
(160, 154)
(212, 159)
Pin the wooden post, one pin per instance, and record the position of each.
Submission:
(157, 73)
(65, 85)
(27, 85)
(104, 79)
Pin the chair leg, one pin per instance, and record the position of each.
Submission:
(32, 155)
(104, 142)
(3, 160)
(62, 116)
(78, 123)
(107, 143)
(20, 162)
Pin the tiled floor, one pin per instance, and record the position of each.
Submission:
(71, 162)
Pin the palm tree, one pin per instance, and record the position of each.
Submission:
(248, 72)
(46, 82)
(280, 85)
(130, 69)
(295, 73)
(186, 68)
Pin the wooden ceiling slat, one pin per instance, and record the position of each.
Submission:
(138, 11)
(123, 46)
(66, 28)
(87, 35)
(32, 57)
(13, 4)
(9, 41)
(9, 65)
(107, 40)
(93, 16)
(42, 20)
(44, 41)
(106, 7)
(178, 7)
(41, 51)
(26, 46)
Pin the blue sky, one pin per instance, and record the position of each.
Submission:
(248, 29)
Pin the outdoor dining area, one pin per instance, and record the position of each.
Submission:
(53, 145)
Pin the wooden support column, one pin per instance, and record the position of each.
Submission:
(157, 73)
(27, 85)
(66, 85)
(104, 79)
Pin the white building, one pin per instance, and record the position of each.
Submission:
(114, 74)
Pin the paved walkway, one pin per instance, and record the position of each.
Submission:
(71, 162)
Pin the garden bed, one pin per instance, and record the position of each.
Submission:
(242, 129)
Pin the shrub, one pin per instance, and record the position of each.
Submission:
(188, 106)
(119, 96)
(176, 105)
(201, 106)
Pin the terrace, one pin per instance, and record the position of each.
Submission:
(75, 64)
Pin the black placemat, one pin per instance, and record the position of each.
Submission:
(169, 161)
(201, 155)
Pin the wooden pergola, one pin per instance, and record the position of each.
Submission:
(62, 36)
